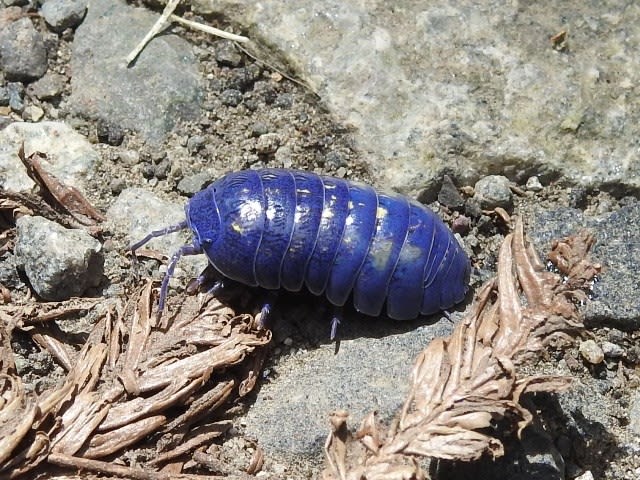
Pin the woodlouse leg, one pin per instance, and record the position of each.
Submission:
(184, 250)
(209, 280)
(265, 312)
(335, 321)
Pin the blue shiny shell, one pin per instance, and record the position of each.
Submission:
(278, 228)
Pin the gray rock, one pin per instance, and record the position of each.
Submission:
(9, 276)
(612, 350)
(259, 128)
(493, 191)
(429, 86)
(60, 263)
(615, 296)
(104, 88)
(23, 56)
(48, 87)
(70, 156)
(449, 195)
(5, 121)
(32, 113)
(231, 97)
(4, 96)
(137, 212)
(63, 14)
(15, 91)
(195, 143)
(109, 133)
(227, 54)
(290, 414)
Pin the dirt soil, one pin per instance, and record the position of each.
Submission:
(226, 141)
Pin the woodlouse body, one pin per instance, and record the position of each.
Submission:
(278, 228)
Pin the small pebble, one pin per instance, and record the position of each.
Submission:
(284, 101)
(4, 97)
(16, 95)
(117, 185)
(461, 225)
(268, 143)
(129, 157)
(288, 341)
(195, 143)
(227, 54)
(32, 113)
(110, 134)
(533, 184)
(616, 336)
(63, 14)
(591, 352)
(192, 184)
(493, 191)
(48, 87)
(162, 169)
(231, 97)
(449, 195)
(243, 78)
(23, 55)
(611, 350)
(259, 128)
(335, 160)
(60, 263)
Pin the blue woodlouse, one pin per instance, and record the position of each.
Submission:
(280, 228)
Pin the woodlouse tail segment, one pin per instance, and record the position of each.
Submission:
(184, 250)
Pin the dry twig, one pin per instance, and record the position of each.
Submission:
(167, 15)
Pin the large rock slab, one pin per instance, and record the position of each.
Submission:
(468, 89)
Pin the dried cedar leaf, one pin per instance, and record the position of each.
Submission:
(138, 407)
(79, 422)
(105, 444)
(66, 196)
(17, 413)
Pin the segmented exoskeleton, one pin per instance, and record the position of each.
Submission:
(279, 228)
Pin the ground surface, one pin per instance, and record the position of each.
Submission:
(227, 112)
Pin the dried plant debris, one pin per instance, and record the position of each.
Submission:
(462, 385)
(132, 383)
(66, 197)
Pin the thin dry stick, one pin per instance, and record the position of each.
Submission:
(166, 17)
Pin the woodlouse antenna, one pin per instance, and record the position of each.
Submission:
(158, 233)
